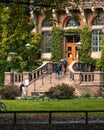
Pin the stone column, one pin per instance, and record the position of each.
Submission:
(7, 79)
(25, 76)
(83, 15)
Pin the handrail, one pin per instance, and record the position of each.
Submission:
(52, 112)
(46, 68)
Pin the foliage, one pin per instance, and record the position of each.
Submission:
(56, 46)
(49, 7)
(100, 62)
(27, 97)
(30, 57)
(73, 31)
(4, 20)
(15, 32)
(85, 95)
(85, 40)
(10, 92)
(66, 91)
(85, 52)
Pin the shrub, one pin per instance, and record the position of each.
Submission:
(85, 95)
(66, 91)
(10, 92)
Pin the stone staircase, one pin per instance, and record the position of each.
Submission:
(44, 77)
(47, 81)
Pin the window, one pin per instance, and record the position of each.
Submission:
(98, 21)
(96, 40)
(46, 41)
(72, 22)
(47, 23)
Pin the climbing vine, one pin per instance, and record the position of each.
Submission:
(85, 39)
(100, 62)
(56, 45)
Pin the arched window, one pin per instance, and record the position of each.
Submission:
(72, 22)
(47, 23)
(98, 21)
(96, 40)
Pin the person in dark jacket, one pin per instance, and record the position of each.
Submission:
(65, 65)
(58, 70)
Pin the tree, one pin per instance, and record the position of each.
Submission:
(4, 20)
(15, 32)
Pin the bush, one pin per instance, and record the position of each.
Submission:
(10, 92)
(66, 91)
(85, 95)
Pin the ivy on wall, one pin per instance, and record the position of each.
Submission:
(73, 31)
(100, 62)
(56, 45)
(85, 39)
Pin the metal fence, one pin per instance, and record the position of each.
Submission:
(51, 117)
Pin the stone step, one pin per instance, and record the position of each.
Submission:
(48, 81)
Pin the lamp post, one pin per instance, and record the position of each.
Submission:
(12, 54)
(27, 46)
(78, 48)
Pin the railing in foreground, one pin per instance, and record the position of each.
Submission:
(86, 114)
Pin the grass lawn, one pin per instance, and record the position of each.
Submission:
(74, 104)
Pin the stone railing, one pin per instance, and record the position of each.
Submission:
(90, 3)
(95, 78)
(45, 68)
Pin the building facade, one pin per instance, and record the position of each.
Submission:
(89, 12)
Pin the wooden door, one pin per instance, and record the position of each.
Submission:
(71, 52)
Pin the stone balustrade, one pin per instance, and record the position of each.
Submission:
(19, 78)
(95, 78)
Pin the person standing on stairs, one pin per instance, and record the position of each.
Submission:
(65, 65)
(58, 70)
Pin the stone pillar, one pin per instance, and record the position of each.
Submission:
(77, 78)
(83, 16)
(97, 78)
(7, 79)
(25, 76)
(55, 17)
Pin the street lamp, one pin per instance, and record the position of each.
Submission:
(12, 54)
(27, 46)
(78, 48)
